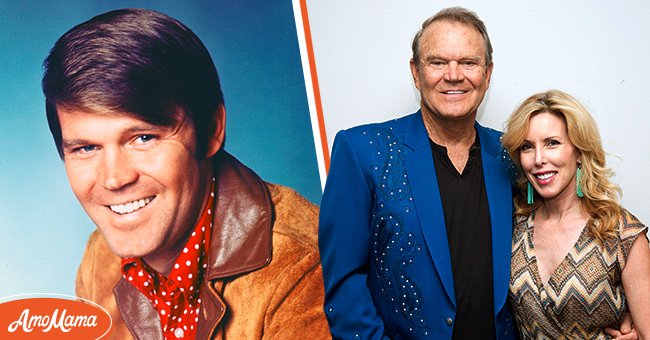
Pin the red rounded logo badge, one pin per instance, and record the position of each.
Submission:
(52, 316)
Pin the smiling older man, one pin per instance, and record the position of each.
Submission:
(416, 217)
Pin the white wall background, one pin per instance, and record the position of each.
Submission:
(598, 51)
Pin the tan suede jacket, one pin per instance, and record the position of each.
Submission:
(264, 279)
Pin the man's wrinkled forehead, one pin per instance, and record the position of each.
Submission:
(436, 33)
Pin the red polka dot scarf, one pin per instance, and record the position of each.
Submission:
(176, 297)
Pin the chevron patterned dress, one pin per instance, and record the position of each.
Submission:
(584, 294)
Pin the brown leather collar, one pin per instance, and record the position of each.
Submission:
(240, 243)
(241, 235)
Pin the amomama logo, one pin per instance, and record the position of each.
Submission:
(52, 317)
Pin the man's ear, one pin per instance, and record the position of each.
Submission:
(215, 140)
(488, 73)
(415, 73)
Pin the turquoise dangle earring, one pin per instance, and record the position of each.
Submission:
(578, 180)
(530, 194)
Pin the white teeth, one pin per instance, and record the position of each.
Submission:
(131, 206)
(545, 176)
(455, 92)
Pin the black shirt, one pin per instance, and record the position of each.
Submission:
(467, 219)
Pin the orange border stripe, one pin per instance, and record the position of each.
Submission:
(314, 80)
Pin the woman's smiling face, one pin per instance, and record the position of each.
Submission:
(548, 157)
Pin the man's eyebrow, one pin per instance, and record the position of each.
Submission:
(73, 143)
(138, 128)
(431, 57)
(143, 127)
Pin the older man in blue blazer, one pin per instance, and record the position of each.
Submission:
(415, 221)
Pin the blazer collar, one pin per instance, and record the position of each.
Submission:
(416, 136)
(489, 145)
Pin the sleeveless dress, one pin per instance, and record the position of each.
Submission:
(583, 296)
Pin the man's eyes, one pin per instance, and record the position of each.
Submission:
(85, 149)
(465, 64)
(438, 64)
(468, 64)
(143, 139)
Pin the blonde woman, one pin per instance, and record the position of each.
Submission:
(579, 260)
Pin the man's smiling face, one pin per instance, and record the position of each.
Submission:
(451, 75)
(140, 183)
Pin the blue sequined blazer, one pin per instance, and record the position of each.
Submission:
(382, 238)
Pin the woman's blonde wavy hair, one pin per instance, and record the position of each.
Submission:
(600, 199)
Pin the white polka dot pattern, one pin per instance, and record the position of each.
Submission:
(181, 287)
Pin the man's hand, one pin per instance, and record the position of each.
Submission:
(626, 332)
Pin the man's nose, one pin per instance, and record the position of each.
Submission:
(116, 170)
(453, 72)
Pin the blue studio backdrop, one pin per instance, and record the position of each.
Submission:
(254, 45)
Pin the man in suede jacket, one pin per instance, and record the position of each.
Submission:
(190, 242)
